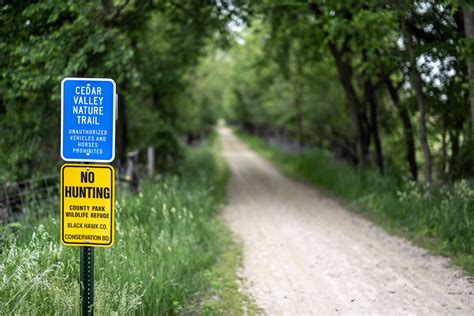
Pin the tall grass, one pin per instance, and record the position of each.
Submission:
(438, 217)
(168, 239)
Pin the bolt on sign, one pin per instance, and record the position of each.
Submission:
(87, 205)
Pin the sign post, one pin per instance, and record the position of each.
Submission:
(87, 280)
(88, 114)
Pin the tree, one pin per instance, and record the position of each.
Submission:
(147, 47)
(468, 13)
(409, 54)
(420, 99)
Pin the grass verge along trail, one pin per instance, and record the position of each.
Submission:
(172, 253)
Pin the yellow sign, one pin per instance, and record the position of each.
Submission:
(87, 205)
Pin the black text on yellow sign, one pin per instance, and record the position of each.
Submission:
(87, 205)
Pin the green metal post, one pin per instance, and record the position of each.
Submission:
(87, 281)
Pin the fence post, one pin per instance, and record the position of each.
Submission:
(132, 170)
(7, 205)
(151, 160)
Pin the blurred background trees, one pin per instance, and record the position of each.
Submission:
(382, 84)
(150, 48)
(378, 83)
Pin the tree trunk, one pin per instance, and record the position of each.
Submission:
(410, 153)
(454, 138)
(345, 76)
(468, 14)
(299, 116)
(370, 95)
(444, 154)
(417, 85)
(3, 108)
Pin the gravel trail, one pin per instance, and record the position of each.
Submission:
(304, 254)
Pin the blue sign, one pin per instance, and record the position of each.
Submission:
(88, 115)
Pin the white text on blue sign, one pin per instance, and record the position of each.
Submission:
(88, 120)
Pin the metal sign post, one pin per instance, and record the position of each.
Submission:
(87, 281)
(88, 114)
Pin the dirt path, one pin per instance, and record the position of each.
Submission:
(304, 254)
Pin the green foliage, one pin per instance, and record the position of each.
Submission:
(285, 98)
(337, 75)
(463, 165)
(168, 242)
(150, 48)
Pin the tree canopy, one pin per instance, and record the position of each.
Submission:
(379, 83)
(150, 48)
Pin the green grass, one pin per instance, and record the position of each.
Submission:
(440, 218)
(172, 254)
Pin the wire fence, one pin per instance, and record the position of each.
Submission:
(39, 196)
(32, 197)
